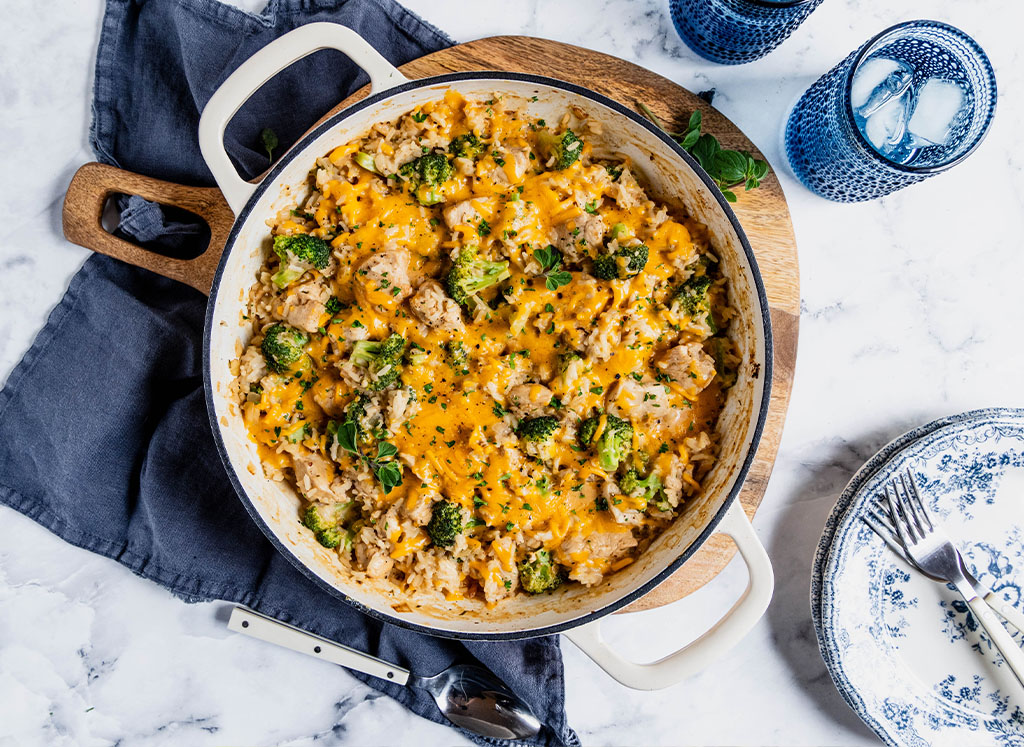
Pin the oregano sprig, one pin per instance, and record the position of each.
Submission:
(727, 168)
(550, 260)
(387, 471)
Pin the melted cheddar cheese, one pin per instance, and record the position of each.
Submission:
(552, 339)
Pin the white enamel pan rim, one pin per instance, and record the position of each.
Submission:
(583, 630)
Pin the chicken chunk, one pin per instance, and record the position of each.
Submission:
(517, 161)
(576, 234)
(590, 556)
(382, 279)
(331, 399)
(304, 306)
(688, 365)
(638, 400)
(313, 475)
(373, 554)
(432, 306)
(626, 191)
(467, 212)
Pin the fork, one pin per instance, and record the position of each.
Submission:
(931, 550)
(880, 522)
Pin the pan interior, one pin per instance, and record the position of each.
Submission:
(668, 179)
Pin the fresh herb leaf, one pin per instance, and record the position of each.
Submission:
(270, 142)
(556, 280)
(389, 475)
(387, 471)
(419, 116)
(346, 436)
(548, 257)
(727, 168)
(550, 260)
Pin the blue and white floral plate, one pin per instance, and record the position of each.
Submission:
(902, 649)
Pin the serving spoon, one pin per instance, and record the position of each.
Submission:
(469, 696)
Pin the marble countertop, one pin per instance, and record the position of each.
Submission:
(910, 311)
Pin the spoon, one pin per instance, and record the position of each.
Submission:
(469, 696)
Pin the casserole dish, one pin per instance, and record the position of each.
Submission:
(670, 175)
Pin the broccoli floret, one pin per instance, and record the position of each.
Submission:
(445, 523)
(455, 355)
(692, 296)
(283, 347)
(619, 230)
(605, 267)
(326, 534)
(649, 487)
(366, 161)
(633, 259)
(466, 146)
(537, 430)
(626, 262)
(417, 355)
(565, 359)
(538, 573)
(586, 431)
(614, 443)
(382, 359)
(355, 413)
(333, 305)
(470, 275)
(426, 175)
(299, 253)
(565, 148)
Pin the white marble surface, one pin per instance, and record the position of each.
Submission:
(911, 311)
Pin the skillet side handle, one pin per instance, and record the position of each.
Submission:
(722, 636)
(94, 183)
(261, 67)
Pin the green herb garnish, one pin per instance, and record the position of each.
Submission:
(384, 466)
(270, 142)
(727, 168)
(550, 260)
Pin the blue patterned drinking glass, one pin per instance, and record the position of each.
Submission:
(913, 101)
(735, 31)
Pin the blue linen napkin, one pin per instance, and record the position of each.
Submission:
(104, 436)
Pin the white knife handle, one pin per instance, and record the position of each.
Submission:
(253, 624)
(1010, 613)
(1000, 636)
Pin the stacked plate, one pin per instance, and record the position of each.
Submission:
(903, 650)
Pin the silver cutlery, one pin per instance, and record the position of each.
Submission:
(467, 695)
(931, 550)
(881, 523)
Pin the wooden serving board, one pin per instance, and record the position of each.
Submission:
(763, 213)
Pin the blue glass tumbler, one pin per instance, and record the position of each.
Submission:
(850, 142)
(736, 31)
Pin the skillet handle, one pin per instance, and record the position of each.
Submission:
(722, 636)
(94, 183)
(263, 66)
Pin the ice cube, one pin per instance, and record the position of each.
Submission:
(938, 103)
(886, 127)
(895, 84)
(872, 73)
